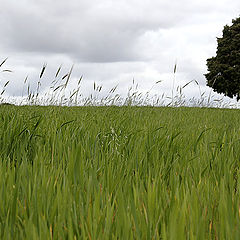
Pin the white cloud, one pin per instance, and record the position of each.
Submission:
(113, 41)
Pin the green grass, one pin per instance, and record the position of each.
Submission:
(119, 173)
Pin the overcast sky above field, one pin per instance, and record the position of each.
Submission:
(112, 42)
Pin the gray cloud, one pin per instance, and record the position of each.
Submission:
(96, 31)
(112, 41)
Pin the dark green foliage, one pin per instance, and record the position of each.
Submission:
(224, 69)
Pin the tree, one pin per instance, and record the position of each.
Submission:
(224, 69)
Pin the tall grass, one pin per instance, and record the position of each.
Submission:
(118, 172)
(61, 94)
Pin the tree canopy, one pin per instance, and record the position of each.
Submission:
(224, 69)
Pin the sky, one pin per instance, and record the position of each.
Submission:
(112, 42)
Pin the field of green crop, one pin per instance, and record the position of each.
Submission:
(119, 173)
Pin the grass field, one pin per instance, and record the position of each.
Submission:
(119, 173)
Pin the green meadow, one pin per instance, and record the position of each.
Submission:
(119, 173)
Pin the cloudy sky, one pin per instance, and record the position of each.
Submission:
(111, 42)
